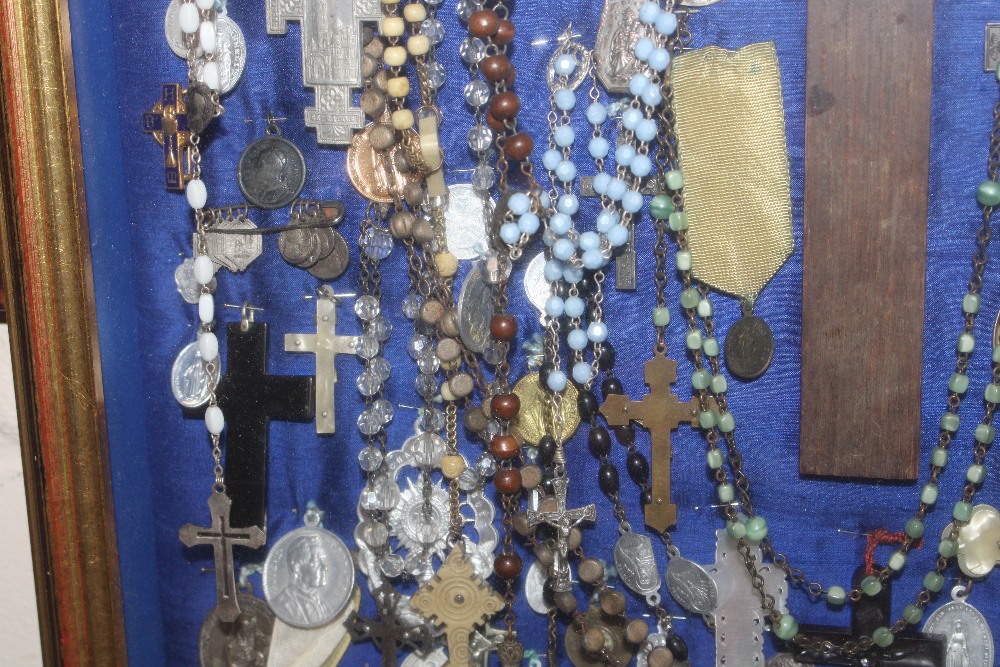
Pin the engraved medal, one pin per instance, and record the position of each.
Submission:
(969, 638)
(245, 641)
(189, 378)
(636, 565)
(465, 221)
(271, 172)
(228, 247)
(691, 586)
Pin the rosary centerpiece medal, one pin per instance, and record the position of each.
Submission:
(271, 172)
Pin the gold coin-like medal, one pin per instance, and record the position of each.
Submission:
(529, 425)
(374, 173)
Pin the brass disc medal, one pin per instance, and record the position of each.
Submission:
(749, 347)
(529, 424)
(375, 174)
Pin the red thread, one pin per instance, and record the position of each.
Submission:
(877, 538)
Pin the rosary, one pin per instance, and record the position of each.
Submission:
(468, 316)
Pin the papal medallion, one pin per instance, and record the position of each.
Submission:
(271, 172)
(308, 575)
(244, 642)
(969, 638)
(465, 219)
(190, 379)
(749, 347)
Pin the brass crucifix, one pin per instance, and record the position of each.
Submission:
(660, 412)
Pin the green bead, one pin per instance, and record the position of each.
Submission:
(726, 493)
(948, 547)
(836, 595)
(683, 260)
(707, 420)
(929, 494)
(661, 206)
(971, 303)
(992, 393)
(883, 636)
(787, 627)
(915, 528)
(958, 383)
(726, 422)
(949, 422)
(939, 457)
(985, 434)
(693, 339)
(675, 180)
(705, 308)
(966, 343)
(678, 221)
(897, 561)
(976, 473)
(933, 582)
(871, 586)
(988, 193)
(756, 529)
(700, 379)
(912, 614)
(690, 297)
(711, 347)
(736, 530)
(661, 317)
(962, 511)
(714, 459)
(719, 384)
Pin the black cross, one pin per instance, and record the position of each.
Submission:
(250, 399)
(867, 615)
(386, 630)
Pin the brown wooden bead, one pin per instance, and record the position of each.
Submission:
(505, 33)
(521, 524)
(531, 477)
(511, 78)
(612, 603)
(592, 641)
(369, 66)
(545, 555)
(461, 385)
(519, 146)
(495, 123)
(449, 323)
(505, 105)
(508, 480)
(660, 657)
(503, 327)
(505, 406)
(507, 566)
(505, 447)
(375, 47)
(484, 23)
(382, 137)
(636, 631)
(381, 79)
(575, 538)
(422, 231)
(372, 103)
(566, 602)
(448, 349)
(591, 570)
(495, 68)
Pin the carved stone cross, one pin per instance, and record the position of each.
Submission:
(563, 520)
(457, 601)
(660, 412)
(168, 123)
(331, 58)
(387, 630)
(326, 345)
(222, 539)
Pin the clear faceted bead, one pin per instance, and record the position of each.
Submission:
(366, 307)
(477, 93)
(472, 50)
(469, 479)
(434, 4)
(492, 354)
(418, 343)
(427, 386)
(377, 243)
(392, 566)
(411, 305)
(370, 458)
(436, 75)
(380, 368)
(381, 328)
(416, 564)
(370, 500)
(375, 534)
(428, 449)
(491, 431)
(428, 363)
(368, 384)
(464, 9)
(486, 465)
(383, 410)
(434, 30)
(369, 423)
(367, 346)
(434, 419)
(480, 138)
(484, 177)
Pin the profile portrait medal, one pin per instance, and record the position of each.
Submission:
(271, 172)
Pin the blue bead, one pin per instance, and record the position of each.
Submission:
(582, 372)
(597, 332)
(666, 23)
(652, 96)
(649, 12)
(566, 171)
(624, 154)
(598, 148)
(569, 204)
(554, 306)
(509, 233)
(560, 223)
(563, 249)
(557, 380)
(593, 259)
(659, 59)
(597, 113)
(572, 274)
(589, 240)
(553, 270)
(617, 189)
(631, 118)
(543, 199)
(606, 220)
(548, 238)
(528, 223)
(638, 84)
(518, 203)
(551, 159)
(575, 306)
(601, 183)
(641, 166)
(565, 99)
(645, 131)
(564, 136)
(632, 201)
(577, 339)
(643, 48)
(618, 236)
(566, 64)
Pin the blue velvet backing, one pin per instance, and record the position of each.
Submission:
(161, 463)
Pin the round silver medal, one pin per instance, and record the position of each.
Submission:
(308, 575)
(536, 286)
(172, 30)
(691, 586)
(271, 172)
(187, 286)
(475, 310)
(245, 641)
(969, 639)
(465, 221)
(534, 589)
(230, 55)
(189, 379)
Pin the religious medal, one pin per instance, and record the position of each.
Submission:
(271, 172)
(534, 588)
(308, 575)
(614, 50)
(172, 31)
(230, 55)
(376, 174)
(691, 586)
(968, 635)
(241, 643)
(228, 243)
(605, 632)
(749, 347)
(190, 379)
(475, 309)
(187, 286)
(335, 262)
(536, 287)
(978, 541)
(991, 47)
(530, 422)
(324, 646)
(465, 219)
(636, 565)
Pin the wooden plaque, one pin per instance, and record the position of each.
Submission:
(868, 102)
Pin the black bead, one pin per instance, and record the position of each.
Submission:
(625, 434)
(638, 467)
(677, 646)
(600, 441)
(548, 594)
(608, 357)
(612, 385)
(586, 404)
(586, 285)
(545, 532)
(608, 478)
(547, 487)
(546, 449)
(647, 497)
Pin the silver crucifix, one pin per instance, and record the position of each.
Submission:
(563, 520)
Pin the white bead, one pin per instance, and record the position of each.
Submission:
(205, 4)
(206, 35)
(206, 308)
(188, 18)
(210, 75)
(208, 345)
(204, 269)
(197, 193)
(214, 420)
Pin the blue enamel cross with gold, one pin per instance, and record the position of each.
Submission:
(168, 123)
